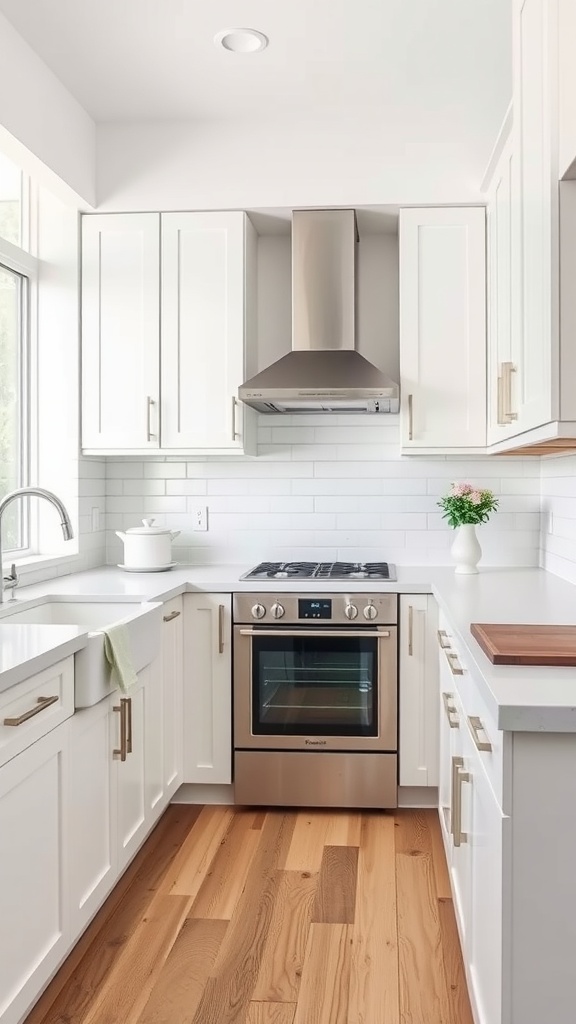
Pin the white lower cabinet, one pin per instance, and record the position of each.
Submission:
(207, 688)
(418, 742)
(129, 773)
(173, 693)
(34, 918)
(91, 811)
(474, 829)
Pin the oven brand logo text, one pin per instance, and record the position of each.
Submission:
(315, 743)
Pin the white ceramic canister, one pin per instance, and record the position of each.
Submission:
(147, 546)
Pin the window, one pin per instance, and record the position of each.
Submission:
(17, 272)
(14, 463)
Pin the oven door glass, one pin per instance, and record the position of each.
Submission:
(319, 686)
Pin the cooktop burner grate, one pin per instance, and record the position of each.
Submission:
(322, 571)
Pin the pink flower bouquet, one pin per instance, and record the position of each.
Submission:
(466, 505)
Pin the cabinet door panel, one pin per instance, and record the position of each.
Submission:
(173, 684)
(442, 327)
(34, 929)
(130, 781)
(202, 329)
(152, 679)
(120, 331)
(484, 936)
(91, 812)
(208, 688)
(418, 691)
(533, 141)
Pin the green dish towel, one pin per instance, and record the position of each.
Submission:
(119, 656)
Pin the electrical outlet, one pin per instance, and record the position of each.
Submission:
(95, 519)
(550, 522)
(200, 518)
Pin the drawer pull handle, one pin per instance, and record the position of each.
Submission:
(455, 667)
(410, 417)
(410, 630)
(220, 629)
(129, 726)
(172, 615)
(451, 712)
(458, 777)
(476, 727)
(41, 703)
(443, 635)
(121, 751)
(235, 434)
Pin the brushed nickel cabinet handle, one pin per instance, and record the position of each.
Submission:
(507, 370)
(41, 703)
(500, 419)
(455, 667)
(221, 629)
(129, 725)
(149, 403)
(443, 635)
(476, 727)
(410, 417)
(450, 711)
(172, 615)
(120, 752)
(410, 630)
(458, 777)
(235, 434)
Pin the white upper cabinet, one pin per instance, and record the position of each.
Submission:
(503, 298)
(202, 329)
(443, 328)
(163, 350)
(538, 408)
(120, 331)
(535, 103)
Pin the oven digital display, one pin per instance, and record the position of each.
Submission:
(314, 609)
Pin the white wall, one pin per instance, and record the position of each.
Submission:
(558, 541)
(324, 487)
(277, 163)
(42, 127)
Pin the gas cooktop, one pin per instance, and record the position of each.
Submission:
(322, 571)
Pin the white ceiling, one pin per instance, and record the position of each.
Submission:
(432, 66)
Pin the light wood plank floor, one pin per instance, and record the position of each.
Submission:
(238, 916)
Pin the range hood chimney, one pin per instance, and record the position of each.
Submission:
(323, 372)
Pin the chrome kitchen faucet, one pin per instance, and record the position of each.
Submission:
(11, 581)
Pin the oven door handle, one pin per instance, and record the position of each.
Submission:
(313, 633)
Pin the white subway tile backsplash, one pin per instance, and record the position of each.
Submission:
(558, 519)
(327, 487)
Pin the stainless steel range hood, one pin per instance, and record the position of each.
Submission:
(323, 372)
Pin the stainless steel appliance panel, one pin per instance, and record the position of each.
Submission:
(301, 779)
(264, 608)
(385, 641)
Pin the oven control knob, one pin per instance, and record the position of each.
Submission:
(258, 611)
(350, 611)
(277, 610)
(370, 611)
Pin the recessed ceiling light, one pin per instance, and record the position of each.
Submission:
(241, 40)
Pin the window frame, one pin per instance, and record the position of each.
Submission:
(18, 261)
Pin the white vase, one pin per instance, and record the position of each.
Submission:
(466, 550)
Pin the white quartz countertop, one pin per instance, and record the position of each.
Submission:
(28, 649)
(521, 698)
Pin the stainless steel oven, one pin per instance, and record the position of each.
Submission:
(315, 699)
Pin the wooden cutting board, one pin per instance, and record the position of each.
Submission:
(513, 644)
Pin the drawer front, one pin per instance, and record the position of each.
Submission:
(476, 717)
(34, 707)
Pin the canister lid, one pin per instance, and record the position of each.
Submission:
(148, 529)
